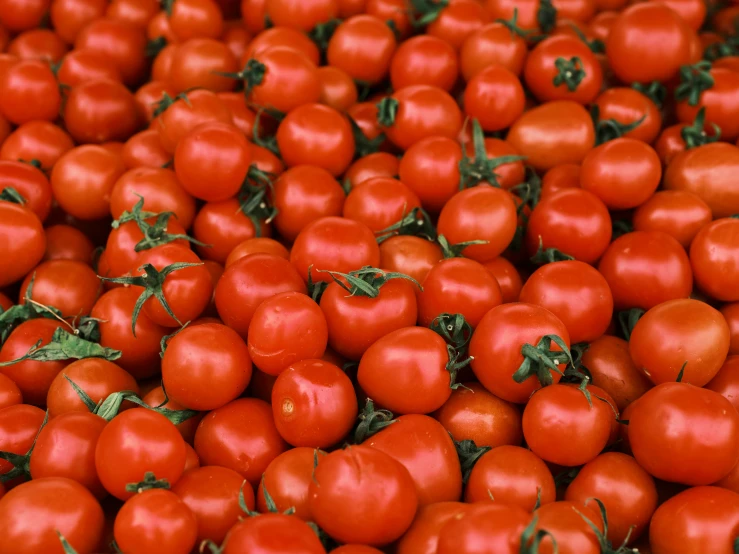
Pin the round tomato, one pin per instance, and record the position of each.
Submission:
(678, 213)
(23, 242)
(424, 60)
(497, 526)
(423, 535)
(272, 533)
(714, 257)
(287, 479)
(363, 47)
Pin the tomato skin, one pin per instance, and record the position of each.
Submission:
(212, 495)
(714, 257)
(644, 269)
(699, 519)
(363, 47)
(55, 505)
(257, 245)
(627, 491)
(200, 62)
(494, 362)
(424, 60)
(356, 322)
(287, 479)
(154, 519)
(725, 381)
(410, 255)
(378, 164)
(568, 528)
(290, 80)
(627, 106)
(708, 172)
(122, 44)
(425, 449)
(10, 393)
(674, 426)
(41, 140)
(64, 242)
(414, 359)
(29, 78)
(719, 102)
(300, 16)
(678, 213)
(272, 534)
(356, 549)
(23, 242)
(490, 45)
(19, 425)
(731, 314)
(513, 475)
(281, 36)
(100, 111)
(423, 535)
(457, 285)
(241, 436)
(355, 473)
(338, 90)
(495, 97)
(379, 203)
(30, 183)
(493, 526)
(508, 277)
(223, 225)
(70, 286)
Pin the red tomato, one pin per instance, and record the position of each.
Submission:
(565, 523)
(64, 242)
(100, 111)
(678, 213)
(71, 286)
(412, 256)
(19, 425)
(424, 60)
(493, 44)
(495, 97)
(38, 140)
(719, 102)
(10, 394)
(731, 314)
(626, 106)
(363, 47)
(258, 245)
(272, 533)
(23, 242)
(497, 526)
(222, 226)
(287, 479)
(288, 79)
(714, 257)
(338, 89)
(23, 80)
(423, 535)
(379, 203)
(202, 63)
(122, 43)
(299, 15)
(30, 183)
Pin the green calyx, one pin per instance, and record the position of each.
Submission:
(695, 134)
(719, 50)
(150, 482)
(455, 330)
(252, 75)
(609, 129)
(387, 110)
(254, 201)
(479, 169)
(469, 453)
(21, 462)
(541, 360)
(455, 250)
(627, 320)
(512, 25)
(549, 255)
(569, 73)
(167, 101)
(154, 46)
(321, 34)
(155, 234)
(153, 282)
(30, 309)
(596, 45)
(605, 545)
(426, 11)
(546, 16)
(681, 373)
(620, 227)
(270, 142)
(531, 538)
(529, 191)
(364, 146)
(9, 194)
(366, 281)
(66, 547)
(655, 91)
(315, 288)
(416, 223)
(371, 422)
(694, 79)
(66, 346)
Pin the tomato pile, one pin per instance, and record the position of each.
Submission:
(369, 276)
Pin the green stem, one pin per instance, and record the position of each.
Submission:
(569, 72)
(694, 79)
(371, 422)
(366, 281)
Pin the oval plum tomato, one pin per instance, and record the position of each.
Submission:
(425, 449)
(212, 495)
(678, 213)
(155, 519)
(564, 219)
(287, 479)
(40, 140)
(286, 328)
(282, 78)
(719, 101)
(221, 226)
(363, 47)
(511, 475)
(457, 285)
(32, 377)
(258, 245)
(563, 68)
(566, 524)
(299, 15)
(211, 161)
(623, 172)
(241, 436)
(412, 256)
(714, 257)
(64, 242)
(29, 79)
(98, 378)
(23, 242)
(430, 168)
(423, 535)
(424, 60)
(83, 180)
(644, 269)
(10, 394)
(493, 44)
(272, 533)
(495, 97)
(202, 63)
(362, 495)
(480, 213)
(313, 403)
(700, 330)
(699, 519)
(675, 427)
(496, 526)
(19, 425)
(639, 33)
(100, 111)
(707, 171)
(495, 361)
(68, 285)
(472, 413)
(65, 447)
(379, 203)
(279, 37)
(303, 194)
(576, 293)
(123, 44)
(205, 366)
(30, 183)
(415, 360)
(610, 365)
(56, 506)
(333, 244)
(417, 112)
(338, 89)
(627, 106)
(627, 492)
(248, 282)
(540, 136)
(318, 135)
(559, 415)
(731, 314)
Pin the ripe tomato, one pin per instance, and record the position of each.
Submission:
(301, 16)
(714, 257)
(423, 535)
(496, 526)
(565, 523)
(424, 60)
(678, 213)
(493, 44)
(280, 36)
(195, 18)
(272, 533)
(731, 314)
(287, 479)
(495, 97)
(122, 44)
(507, 276)
(70, 286)
(258, 245)
(83, 65)
(19, 425)
(286, 79)
(64, 242)
(201, 63)
(100, 111)
(222, 226)
(379, 203)
(338, 89)
(38, 140)
(725, 381)
(24, 79)
(626, 106)
(10, 394)
(362, 495)
(719, 101)
(363, 47)
(23, 242)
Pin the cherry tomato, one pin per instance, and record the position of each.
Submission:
(195, 18)
(287, 479)
(379, 203)
(24, 79)
(10, 393)
(496, 526)
(338, 89)
(424, 60)
(222, 226)
(678, 213)
(19, 425)
(70, 286)
(64, 242)
(301, 16)
(258, 245)
(565, 521)
(201, 63)
(493, 44)
(23, 242)
(423, 535)
(714, 257)
(290, 79)
(272, 533)
(627, 106)
(40, 140)
(122, 44)
(363, 47)
(495, 97)
(100, 111)
(719, 102)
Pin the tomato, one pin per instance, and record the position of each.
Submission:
(24, 79)
(493, 44)
(212, 495)
(628, 493)
(379, 203)
(731, 314)
(421, 111)
(270, 534)
(678, 213)
(609, 362)
(627, 106)
(495, 361)
(100, 111)
(356, 549)
(39, 140)
(493, 526)
(565, 522)
(10, 393)
(508, 277)
(423, 535)
(201, 62)
(301, 16)
(19, 425)
(363, 47)
(725, 380)
(412, 256)
(287, 479)
(675, 426)
(98, 378)
(30, 183)
(563, 219)
(284, 71)
(241, 436)
(258, 245)
(122, 44)
(392, 10)
(236, 38)
(279, 36)
(719, 102)
(23, 242)
(222, 226)
(414, 360)
(56, 506)
(154, 519)
(70, 286)
(195, 18)
(495, 97)
(714, 257)
(362, 495)
(133, 11)
(644, 269)
(64, 242)
(318, 135)
(338, 89)
(424, 60)
(699, 519)
(425, 449)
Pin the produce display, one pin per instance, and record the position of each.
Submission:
(369, 276)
